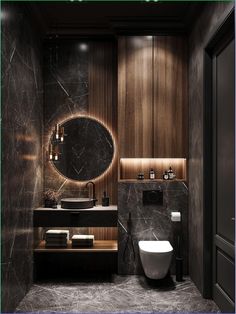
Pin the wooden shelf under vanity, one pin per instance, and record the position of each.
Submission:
(98, 247)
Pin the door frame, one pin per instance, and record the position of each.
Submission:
(219, 35)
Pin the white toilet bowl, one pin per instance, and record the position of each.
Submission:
(155, 257)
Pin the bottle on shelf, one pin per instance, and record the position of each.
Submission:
(140, 176)
(105, 199)
(151, 174)
(171, 174)
(165, 176)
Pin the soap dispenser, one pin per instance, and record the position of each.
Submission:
(151, 174)
(105, 199)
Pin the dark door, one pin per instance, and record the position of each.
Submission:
(223, 161)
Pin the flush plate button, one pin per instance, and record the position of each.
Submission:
(153, 197)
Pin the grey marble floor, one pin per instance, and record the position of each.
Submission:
(115, 294)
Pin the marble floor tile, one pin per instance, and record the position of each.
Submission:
(115, 294)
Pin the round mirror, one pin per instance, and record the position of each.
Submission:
(86, 151)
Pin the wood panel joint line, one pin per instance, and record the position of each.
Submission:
(153, 141)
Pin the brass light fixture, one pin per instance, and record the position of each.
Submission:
(56, 153)
(62, 134)
(53, 152)
(50, 152)
(59, 133)
(57, 138)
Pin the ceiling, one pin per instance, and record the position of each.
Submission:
(105, 18)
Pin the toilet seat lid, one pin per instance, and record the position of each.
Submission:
(155, 246)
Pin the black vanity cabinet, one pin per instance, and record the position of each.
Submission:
(61, 262)
(95, 217)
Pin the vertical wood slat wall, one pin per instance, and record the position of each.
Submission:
(152, 97)
(170, 98)
(102, 104)
(135, 96)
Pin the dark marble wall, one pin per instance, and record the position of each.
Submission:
(66, 94)
(79, 79)
(150, 222)
(21, 150)
(210, 17)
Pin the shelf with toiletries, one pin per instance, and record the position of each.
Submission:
(148, 180)
(152, 169)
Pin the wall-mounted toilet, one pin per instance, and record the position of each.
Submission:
(155, 257)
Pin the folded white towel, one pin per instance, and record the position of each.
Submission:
(83, 237)
(67, 232)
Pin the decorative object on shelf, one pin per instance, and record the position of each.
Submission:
(140, 176)
(51, 198)
(152, 174)
(87, 152)
(165, 176)
(171, 174)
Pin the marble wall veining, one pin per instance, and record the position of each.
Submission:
(210, 17)
(150, 222)
(22, 186)
(66, 94)
(78, 80)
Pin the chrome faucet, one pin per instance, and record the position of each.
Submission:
(94, 194)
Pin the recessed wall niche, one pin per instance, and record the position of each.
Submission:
(130, 167)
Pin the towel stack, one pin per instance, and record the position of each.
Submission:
(84, 240)
(56, 238)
